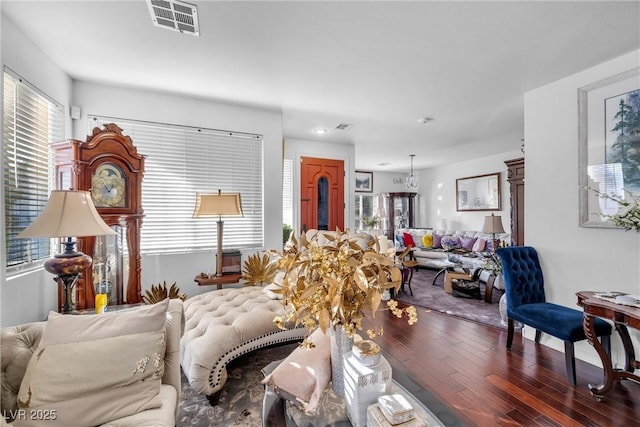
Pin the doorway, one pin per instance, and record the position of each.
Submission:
(321, 194)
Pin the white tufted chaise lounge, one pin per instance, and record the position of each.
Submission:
(222, 325)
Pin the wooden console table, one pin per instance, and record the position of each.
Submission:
(622, 316)
(225, 279)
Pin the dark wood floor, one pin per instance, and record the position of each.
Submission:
(467, 367)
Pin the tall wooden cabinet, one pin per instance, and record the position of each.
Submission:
(108, 165)
(515, 177)
(399, 212)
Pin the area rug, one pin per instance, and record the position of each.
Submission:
(241, 398)
(431, 297)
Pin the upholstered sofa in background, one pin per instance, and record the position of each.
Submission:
(155, 375)
(440, 249)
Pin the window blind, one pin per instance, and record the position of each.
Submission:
(181, 161)
(287, 192)
(31, 120)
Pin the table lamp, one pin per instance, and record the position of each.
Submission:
(218, 204)
(493, 225)
(67, 214)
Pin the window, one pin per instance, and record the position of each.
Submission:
(181, 161)
(287, 192)
(367, 206)
(31, 120)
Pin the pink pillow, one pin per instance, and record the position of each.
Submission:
(437, 241)
(467, 242)
(479, 245)
(408, 240)
(305, 373)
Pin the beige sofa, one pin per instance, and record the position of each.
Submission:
(439, 257)
(18, 344)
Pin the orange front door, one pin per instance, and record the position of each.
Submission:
(321, 193)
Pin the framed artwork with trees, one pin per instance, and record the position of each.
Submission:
(609, 146)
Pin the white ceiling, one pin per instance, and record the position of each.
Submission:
(380, 66)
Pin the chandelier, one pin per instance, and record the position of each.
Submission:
(411, 182)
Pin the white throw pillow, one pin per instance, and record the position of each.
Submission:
(92, 369)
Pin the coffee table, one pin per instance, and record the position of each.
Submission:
(333, 412)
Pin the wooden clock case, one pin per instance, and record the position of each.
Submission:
(75, 164)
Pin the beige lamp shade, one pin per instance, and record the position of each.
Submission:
(68, 213)
(492, 224)
(218, 204)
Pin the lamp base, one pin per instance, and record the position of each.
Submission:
(68, 284)
(64, 265)
(219, 252)
(68, 269)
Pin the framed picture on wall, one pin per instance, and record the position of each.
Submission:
(609, 146)
(479, 193)
(364, 182)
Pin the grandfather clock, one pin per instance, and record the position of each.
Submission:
(108, 165)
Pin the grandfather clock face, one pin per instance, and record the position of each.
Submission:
(109, 186)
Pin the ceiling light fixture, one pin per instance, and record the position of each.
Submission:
(425, 120)
(320, 131)
(411, 182)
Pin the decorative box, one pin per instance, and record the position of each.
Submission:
(363, 385)
(367, 352)
(231, 261)
(375, 418)
(396, 408)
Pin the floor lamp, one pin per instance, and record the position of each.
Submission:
(493, 225)
(67, 214)
(218, 205)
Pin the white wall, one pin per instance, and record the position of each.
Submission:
(296, 148)
(573, 258)
(96, 99)
(29, 296)
(389, 182)
(437, 201)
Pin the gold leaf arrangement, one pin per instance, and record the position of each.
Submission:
(258, 270)
(160, 293)
(329, 280)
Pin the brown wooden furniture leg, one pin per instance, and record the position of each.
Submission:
(411, 264)
(623, 317)
(599, 391)
(488, 290)
(630, 355)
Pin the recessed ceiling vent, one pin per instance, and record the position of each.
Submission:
(175, 15)
(344, 126)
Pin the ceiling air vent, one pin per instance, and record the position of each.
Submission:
(174, 15)
(344, 126)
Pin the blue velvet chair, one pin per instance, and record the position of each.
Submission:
(524, 289)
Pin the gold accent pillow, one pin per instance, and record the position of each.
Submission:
(92, 369)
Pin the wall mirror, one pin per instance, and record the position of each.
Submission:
(479, 193)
